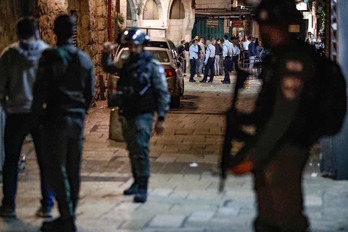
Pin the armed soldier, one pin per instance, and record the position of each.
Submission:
(141, 90)
(287, 119)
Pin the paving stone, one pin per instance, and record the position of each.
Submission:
(167, 221)
(200, 217)
(313, 201)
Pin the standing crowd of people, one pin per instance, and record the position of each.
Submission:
(216, 57)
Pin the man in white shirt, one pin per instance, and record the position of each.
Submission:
(226, 54)
(209, 61)
(201, 58)
(245, 46)
(235, 55)
(193, 53)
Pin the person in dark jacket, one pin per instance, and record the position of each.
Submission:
(62, 95)
(18, 66)
(142, 90)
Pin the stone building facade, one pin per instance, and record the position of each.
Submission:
(175, 16)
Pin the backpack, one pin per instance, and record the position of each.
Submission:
(330, 98)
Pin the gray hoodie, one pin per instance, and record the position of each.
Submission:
(18, 66)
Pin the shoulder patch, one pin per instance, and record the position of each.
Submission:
(158, 65)
(156, 62)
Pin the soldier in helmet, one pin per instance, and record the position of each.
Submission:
(141, 90)
(283, 119)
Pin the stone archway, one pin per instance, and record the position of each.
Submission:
(159, 7)
(179, 29)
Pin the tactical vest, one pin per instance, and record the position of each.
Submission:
(136, 87)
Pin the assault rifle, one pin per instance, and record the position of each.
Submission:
(233, 132)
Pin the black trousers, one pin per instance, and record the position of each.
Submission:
(235, 63)
(209, 66)
(63, 140)
(227, 68)
(193, 68)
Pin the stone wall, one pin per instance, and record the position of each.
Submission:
(10, 12)
(176, 29)
(207, 4)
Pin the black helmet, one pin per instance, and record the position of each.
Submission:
(134, 35)
(278, 12)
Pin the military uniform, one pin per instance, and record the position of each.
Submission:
(65, 85)
(283, 116)
(143, 75)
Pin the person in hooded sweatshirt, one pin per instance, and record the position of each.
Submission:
(18, 66)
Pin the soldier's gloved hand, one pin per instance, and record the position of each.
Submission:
(159, 127)
(108, 47)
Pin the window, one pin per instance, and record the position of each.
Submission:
(150, 10)
(129, 11)
(177, 11)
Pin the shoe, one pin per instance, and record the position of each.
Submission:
(210, 81)
(191, 80)
(133, 189)
(44, 212)
(59, 225)
(7, 212)
(203, 81)
(225, 82)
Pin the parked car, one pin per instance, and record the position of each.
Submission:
(173, 72)
(164, 43)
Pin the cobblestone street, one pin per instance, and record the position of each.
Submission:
(183, 191)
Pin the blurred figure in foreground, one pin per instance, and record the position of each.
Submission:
(294, 109)
(62, 95)
(18, 66)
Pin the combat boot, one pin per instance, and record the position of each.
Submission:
(133, 189)
(141, 195)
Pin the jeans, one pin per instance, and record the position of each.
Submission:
(201, 64)
(192, 68)
(251, 64)
(17, 127)
(63, 141)
(137, 133)
(217, 65)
